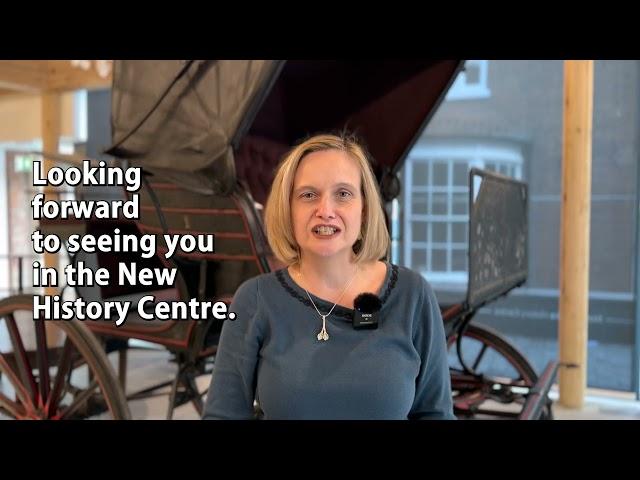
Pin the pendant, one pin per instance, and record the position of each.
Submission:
(323, 335)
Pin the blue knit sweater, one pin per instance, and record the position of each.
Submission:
(270, 353)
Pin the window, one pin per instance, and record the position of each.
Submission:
(471, 83)
(436, 203)
(23, 163)
(80, 116)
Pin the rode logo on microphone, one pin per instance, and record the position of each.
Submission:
(367, 306)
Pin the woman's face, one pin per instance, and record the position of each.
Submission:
(327, 204)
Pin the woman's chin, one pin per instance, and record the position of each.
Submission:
(327, 251)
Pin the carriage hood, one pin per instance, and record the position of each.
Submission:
(192, 119)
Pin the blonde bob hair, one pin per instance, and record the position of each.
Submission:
(373, 242)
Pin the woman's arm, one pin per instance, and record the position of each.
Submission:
(232, 390)
(433, 386)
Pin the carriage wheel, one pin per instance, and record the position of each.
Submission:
(506, 375)
(53, 369)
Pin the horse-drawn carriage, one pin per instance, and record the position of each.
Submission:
(208, 135)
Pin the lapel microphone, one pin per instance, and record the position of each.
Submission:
(367, 306)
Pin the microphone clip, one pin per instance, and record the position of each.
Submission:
(367, 306)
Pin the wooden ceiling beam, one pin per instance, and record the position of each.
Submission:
(39, 76)
(62, 76)
(25, 76)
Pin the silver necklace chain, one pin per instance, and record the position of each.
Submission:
(323, 334)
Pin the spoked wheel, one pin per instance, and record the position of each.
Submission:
(503, 377)
(53, 369)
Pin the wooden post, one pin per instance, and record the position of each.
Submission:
(50, 125)
(51, 113)
(574, 238)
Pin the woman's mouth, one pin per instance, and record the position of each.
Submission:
(325, 231)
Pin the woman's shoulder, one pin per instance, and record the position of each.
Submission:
(249, 297)
(412, 287)
(260, 283)
(408, 278)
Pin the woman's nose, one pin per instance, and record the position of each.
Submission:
(325, 208)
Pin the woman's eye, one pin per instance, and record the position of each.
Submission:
(344, 194)
(307, 195)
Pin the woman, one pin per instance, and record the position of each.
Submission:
(293, 347)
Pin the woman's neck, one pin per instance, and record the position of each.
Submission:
(326, 273)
